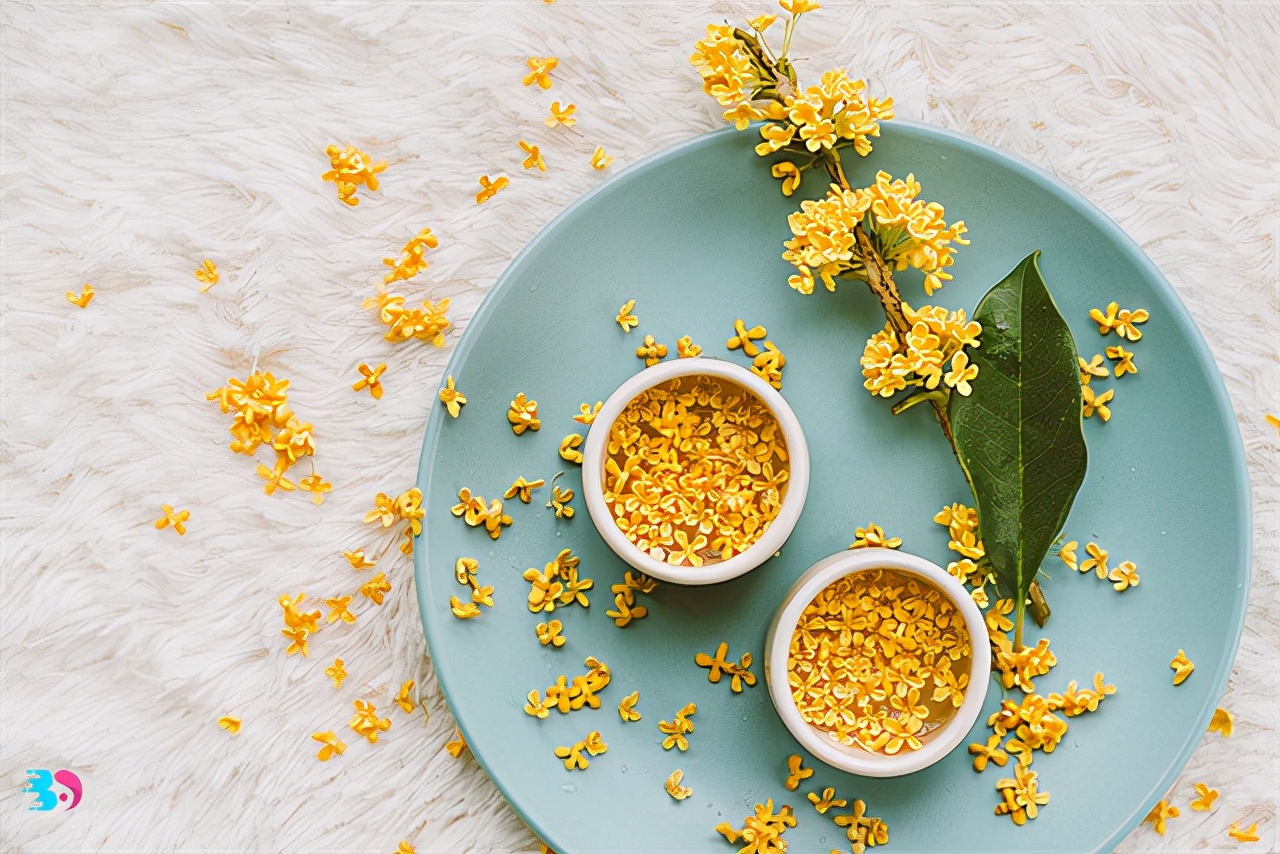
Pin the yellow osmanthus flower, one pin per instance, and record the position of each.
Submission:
(936, 337)
(1096, 561)
(523, 489)
(569, 448)
(678, 728)
(763, 830)
(686, 349)
(1124, 576)
(316, 485)
(428, 323)
(997, 619)
(745, 338)
(458, 744)
(627, 707)
(339, 609)
(1092, 368)
(599, 160)
(1091, 402)
(297, 638)
(769, 364)
(405, 848)
(798, 7)
(760, 23)
(826, 800)
(673, 787)
(823, 116)
(873, 536)
(403, 700)
(1223, 722)
(1273, 421)
(1123, 359)
(789, 173)
(1249, 835)
(370, 378)
(979, 597)
(523, 414)
(587, 413)
(989, 752)
(1205, 799)
(337, 672)
(549, 634)
(1182, 667)
(1019, 667)
(207, 274)
(1022, 798)
(1160, 813)
(719, 665)
(332, 746)
(561, 115)
(907, 231)
(651, 351)
(463, 610)
(230, 724)
(375, 588)
(175, 519)
(1068, 554)
(796, 772)
(348, 169)
(452, 399)
(729, 73)
(573, 757)
(414, 260)
(540, 68)
(358, 560)
(534, 160)
(490, 187)
(82, 299)
(366, 722)
(625, 318)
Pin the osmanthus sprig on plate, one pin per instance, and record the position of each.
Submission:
(1019, 443)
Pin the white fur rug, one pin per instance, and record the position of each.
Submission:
(141, 138)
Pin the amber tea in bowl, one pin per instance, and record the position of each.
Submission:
(871, 662)
(695, 471)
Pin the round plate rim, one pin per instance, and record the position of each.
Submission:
(1045, 181)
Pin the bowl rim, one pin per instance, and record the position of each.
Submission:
(851, 759)
(593, 456)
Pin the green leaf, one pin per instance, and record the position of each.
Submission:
(1018, 435)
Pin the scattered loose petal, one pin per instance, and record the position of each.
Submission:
(534, 159)
(357, 559)
(414, 259)
(490, 187)
(560, 499)
(229, 723)
(540, 68)
(337, 672)
(744, 338)
(332, 746)
(338, 610)
(458, 744)
(599, 160)
(796, 772)
(1250, 835)
(367, 723)
(350, 168)
(370, 378)
(1123, 359)
(1273, 421)
(1127, 323)
(1092, 368)
(82, 299)
(452, 399)
(1068, 554)
(405, 848)
(523, 414)
(1205, 799)
(686, 349)
(1091, 402)
(523, 489)
(1124, 575)
(989, 752)
(375, 588)
(625, 318)
(587, 413)
(826, 800)
(463, 610)
(1161, 812)
(873, 536)
(549, 633)
(316, 485)
(1096, 561)
(1182, 667)
(719, 666)
(651, 351)
(569, 448)
(207, 275)
(627, 707)
(561, 116)
(673, 787)
(1106, 321)
(1223, 722)
(403, 700)
(173, 519)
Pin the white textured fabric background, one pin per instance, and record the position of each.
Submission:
(141, 138)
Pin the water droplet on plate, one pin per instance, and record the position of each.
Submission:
(568, 788)
(625, 769)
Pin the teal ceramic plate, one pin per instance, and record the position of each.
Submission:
(694, 236)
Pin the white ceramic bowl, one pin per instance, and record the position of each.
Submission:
(855, 760)
(594, 455)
